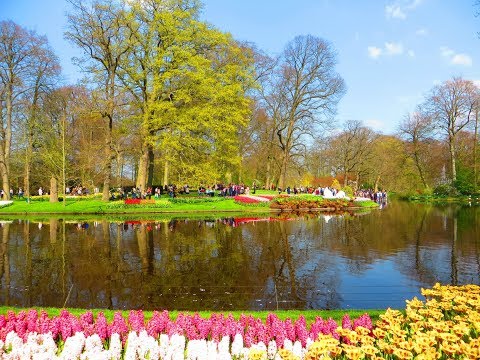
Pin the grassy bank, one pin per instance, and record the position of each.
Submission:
(310, 315)
(439, 199)
(181, 205)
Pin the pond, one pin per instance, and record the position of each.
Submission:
(287, 261)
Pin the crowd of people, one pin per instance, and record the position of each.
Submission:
(229, 190)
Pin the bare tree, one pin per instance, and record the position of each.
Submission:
(417, 130)
(304, 95)
(99, 30)
(452, 107)
(18, 52)
(44, 76)
(352, 148)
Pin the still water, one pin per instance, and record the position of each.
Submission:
(290, 261)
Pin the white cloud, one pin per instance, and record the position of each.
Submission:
(421, 32)
(456, 58)
(446, 52)
(377, 125)
(374, 52)
(392, 48)
(394, 12)
(462, 59)
(399, 8)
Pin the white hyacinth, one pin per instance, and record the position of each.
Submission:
(272, 349)
(288, 345)
(141, 346)
(197, 350)
(237, 345)
(131, 346)
(297, 349)
(73, 347)
(176, 350)
(149, 348)
(212, 349)
(224, 348)
(115, 346)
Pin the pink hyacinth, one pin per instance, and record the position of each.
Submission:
(43, 323)
(119, 326)
(301, 330)
(32, 324)
(54, 327)
(364, 321)
(136, 320)
(346, 322)
(158, 323)
(86, 318)
(101, 326)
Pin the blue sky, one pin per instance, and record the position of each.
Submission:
(390, 53)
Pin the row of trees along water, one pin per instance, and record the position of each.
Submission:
(168, 98)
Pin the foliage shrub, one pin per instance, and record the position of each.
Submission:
(445, 190)
(159, 204)
(465, 181)
(307, 202)
(336, 185)
(196, 200)
(348, 191)
(69, 197)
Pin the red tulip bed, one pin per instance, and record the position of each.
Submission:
(245, 200)
(268, 197)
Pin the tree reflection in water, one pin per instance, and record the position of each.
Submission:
(289, 261)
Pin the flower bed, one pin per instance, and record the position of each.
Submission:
(446, 326)
(245, 200)
(32, 332)
(269, 197)
(138, 201)
(307, 202)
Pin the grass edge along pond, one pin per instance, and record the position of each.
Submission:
(444, 326)
(93, 205)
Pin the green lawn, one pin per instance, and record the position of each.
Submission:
(309, 315)
(181, 205)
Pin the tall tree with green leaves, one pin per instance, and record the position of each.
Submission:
(99, 29)
(189, 84)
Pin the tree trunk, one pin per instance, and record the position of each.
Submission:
(5, 156)
(53, 190)
(151, 165)
(475, 144)
(268, 176)
(452, 158)
(166, 169)
(119, 169)
(5, 182)
(142, 168)
(107, 171)
(109, 153)
(26, 179)
(283, 171)
(377, 181)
